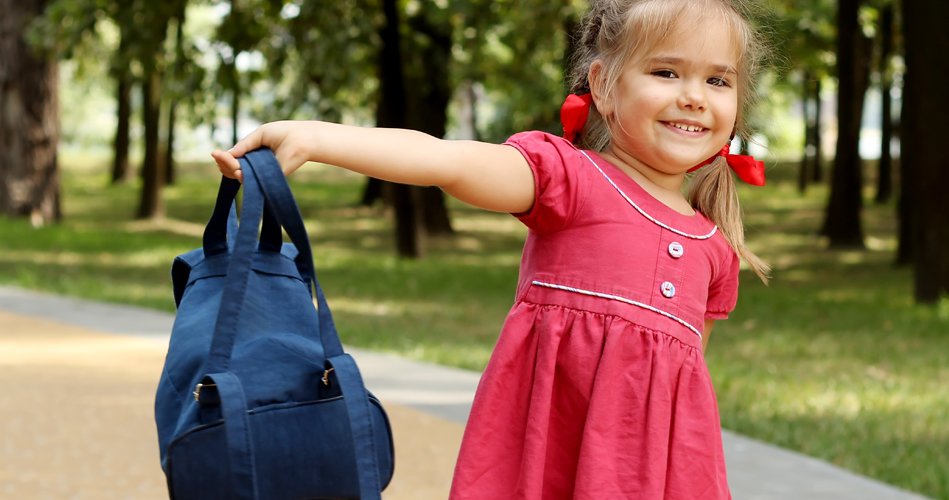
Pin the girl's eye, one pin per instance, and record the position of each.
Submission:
(664, 73)
(718, 82)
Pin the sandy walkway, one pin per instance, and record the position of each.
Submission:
(77, 423)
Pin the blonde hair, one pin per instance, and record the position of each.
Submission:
(615, 32)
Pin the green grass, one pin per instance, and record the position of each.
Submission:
(833, 359)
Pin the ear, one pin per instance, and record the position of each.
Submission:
(597, 79)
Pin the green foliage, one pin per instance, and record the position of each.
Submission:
(518, 50)
(327, 55)
(804, 33)
(130, 38)
(324, 57)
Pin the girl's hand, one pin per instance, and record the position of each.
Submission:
(287, 139)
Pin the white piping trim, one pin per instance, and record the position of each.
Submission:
(687, 235)
(620, 299)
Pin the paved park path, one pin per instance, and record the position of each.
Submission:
(77, 382)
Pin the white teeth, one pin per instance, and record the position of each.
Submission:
(689, 128)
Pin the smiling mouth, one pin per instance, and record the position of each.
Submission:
(687, 128)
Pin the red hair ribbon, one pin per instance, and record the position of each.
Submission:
(748, 168)
(573, 114)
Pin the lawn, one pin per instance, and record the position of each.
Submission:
(833, 358)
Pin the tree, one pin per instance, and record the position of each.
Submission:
(925, 160)
(391, 112)
(885, 168)
(329, 56)
(176, 70)
(150, 20)
(842, 218)
(142, 25)
(29, 121)
(123, 96)
(804, 34)
(427, 64)
(810, 169)
(242, 30)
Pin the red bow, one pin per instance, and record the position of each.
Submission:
(748, 168)
(573, 114)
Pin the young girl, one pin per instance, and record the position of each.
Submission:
(597, 388)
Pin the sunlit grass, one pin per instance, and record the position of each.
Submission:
(832, 359)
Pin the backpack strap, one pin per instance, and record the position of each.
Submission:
(222, 226)
(238, 273)
(273, 183)
(240, 445)
(221, 230)
(360, 422)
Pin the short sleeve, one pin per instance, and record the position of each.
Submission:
(555, 163)
(723, 292)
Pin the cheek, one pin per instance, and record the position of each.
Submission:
(727, 109)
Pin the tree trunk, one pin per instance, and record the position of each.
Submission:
(371, 192)
(29, 120)
(120, 146)
(818, 164)
(842, 222)
(428, 95)
(435, 212)
(172, 106)
(153, 173)
(927, 47)
(391, 112)
(467, 112)
(909, 159)
(803, 171)
(885, 169)
(235, 101)
(410, 236)
(169, 156)
(123, 98)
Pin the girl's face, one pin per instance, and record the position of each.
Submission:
(677, 106)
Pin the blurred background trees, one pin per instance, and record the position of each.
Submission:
(29, 120)
(477, 69)
(924, 206)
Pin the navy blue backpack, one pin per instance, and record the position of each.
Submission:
(257, 400)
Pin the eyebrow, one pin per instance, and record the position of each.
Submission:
(718, 68)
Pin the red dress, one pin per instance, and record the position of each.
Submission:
(597, 388)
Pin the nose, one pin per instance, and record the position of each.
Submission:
(693, 97)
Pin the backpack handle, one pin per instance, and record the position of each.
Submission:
(264, 184)
(221, 230)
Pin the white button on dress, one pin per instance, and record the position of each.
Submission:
(676, 250)
(668, 290)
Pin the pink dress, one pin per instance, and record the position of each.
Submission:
(597, 388)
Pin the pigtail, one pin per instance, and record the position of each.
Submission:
(712, 191)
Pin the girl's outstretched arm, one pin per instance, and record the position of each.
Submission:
(489, 176)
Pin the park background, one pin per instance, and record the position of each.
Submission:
(110, 108)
